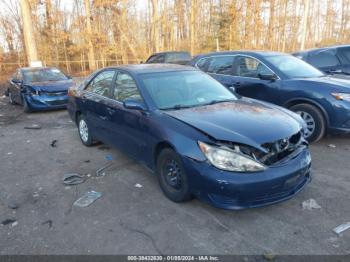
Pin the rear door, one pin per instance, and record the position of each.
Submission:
(94, 101)
(248, 83)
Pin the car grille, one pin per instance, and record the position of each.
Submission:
(63, 93)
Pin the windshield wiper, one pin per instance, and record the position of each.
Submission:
(219, 101)
(176, 107)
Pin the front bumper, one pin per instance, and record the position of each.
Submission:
(232, 190)
(46, 102)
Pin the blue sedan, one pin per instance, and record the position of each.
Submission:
(322, 101)
(197, 136)
(39, 88)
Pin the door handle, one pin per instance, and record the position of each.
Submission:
(237, 84)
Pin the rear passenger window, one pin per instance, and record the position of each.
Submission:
(324, 59)
(101, 84)
(220, 65)
(125, 88)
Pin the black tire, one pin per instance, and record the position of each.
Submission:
(87, 141)
(12, 102)
(318, 118)
(26, 107)
(176, 190)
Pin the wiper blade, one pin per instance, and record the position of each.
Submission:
(176, 107)
(219, 101)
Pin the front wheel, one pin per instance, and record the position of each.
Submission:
(172, 176)
(315, 122)
(84, 131)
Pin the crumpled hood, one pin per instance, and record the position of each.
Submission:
(337, 83)
(243, 121)
(51, 86)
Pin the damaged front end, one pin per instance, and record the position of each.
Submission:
(267, 155)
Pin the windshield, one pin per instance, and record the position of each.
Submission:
(294, 67)
(175, 90)
(43, 75)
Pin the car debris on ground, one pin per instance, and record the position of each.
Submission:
(332, 146)
(53, 143)
(12, 205)
(341, 228)
(8, 221)
(138, 185)
(73, 179)
(87, 199)
(310, 204)
(48, 222)
(34, 126)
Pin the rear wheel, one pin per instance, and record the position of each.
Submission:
(84, 131)
(315, 122)
(172, 176)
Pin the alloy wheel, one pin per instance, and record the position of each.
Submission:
(83, 130)
(310, 123)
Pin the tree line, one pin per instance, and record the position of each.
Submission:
(81, 35)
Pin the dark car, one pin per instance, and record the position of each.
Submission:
(173, 57)
(39, 88)
(333, 60)
(322, 101)
(197, 136)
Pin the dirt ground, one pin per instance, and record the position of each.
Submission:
(140, 220)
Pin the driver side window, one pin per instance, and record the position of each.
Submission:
(250, 67)
(125, 88)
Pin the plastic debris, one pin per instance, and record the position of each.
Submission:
(341, 228)
(34, 126)
(53, 143)
(138, 185)
(14, 224)
(310, 204)
(109, 157)
(87, 199)
(8, 221)
(12, 206)
(269, 256)
(332, 146)
(73, 179)
(49, 222)
(9, 153)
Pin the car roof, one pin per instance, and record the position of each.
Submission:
(170, 52)
(321, 49)
(153, 68)
(35, 68)
(244, 52)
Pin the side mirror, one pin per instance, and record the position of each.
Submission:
(271, 77)
(134, 105)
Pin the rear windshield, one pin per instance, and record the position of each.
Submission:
(44, 75)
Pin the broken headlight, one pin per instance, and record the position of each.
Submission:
(227, 159)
